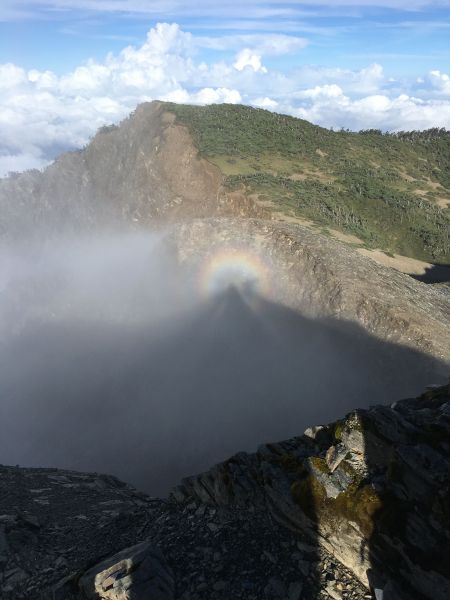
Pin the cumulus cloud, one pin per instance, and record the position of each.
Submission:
(204, 96)
(21, 162)
(379, 111)
(247, 58)
(265, 102)
(358, 82)
(321, 91)
(268, 44)
(440, 82)
(42, 114)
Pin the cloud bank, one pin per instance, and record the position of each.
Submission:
(42, 114)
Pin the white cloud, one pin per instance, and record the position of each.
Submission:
(360, 82)
(204, 96)
(378, 111)
(265, 102)
(42, 79)
(215, 96)
(268, 44)
(42, 114)
(21, 162)
(11, 76)
(247, 58)
(322, 92)
(440, 82)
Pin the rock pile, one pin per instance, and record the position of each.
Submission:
(55, 524)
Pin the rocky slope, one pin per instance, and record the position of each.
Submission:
(356, 505)
(322, 277)
(389, 192)
(145, 171)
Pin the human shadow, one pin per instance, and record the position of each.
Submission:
(434, 274)
(154, 404)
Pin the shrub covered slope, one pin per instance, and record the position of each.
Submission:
(392, 191)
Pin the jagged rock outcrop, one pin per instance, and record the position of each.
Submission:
(365, 498)
(373, 489)
(79, 546)
(145, 171)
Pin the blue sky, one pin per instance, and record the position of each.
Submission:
(59, 35)
(68, 66)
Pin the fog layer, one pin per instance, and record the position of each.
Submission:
(112, 361)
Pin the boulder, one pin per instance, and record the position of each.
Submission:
(136, 573)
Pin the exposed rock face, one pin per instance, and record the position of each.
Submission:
(322, 277)
(193, 551)
(373, 489)
(145, 171)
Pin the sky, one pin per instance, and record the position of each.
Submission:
(68, 67)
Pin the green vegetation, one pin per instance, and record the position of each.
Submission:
(359, 503)
(320, 464)
(390, 190)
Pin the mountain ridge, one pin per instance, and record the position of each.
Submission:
(144, 172)
(392, 191)
(387, 191)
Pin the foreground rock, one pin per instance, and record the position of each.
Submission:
(137, 572)
(360, 504)
(372, 489)
(55, 524)
(193, 552)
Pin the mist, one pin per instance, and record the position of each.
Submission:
(113, 360)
